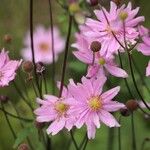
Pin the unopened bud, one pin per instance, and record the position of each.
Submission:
(125, 112)
(123, 15)
(7, 38)
(40, 68)
(4, 99)
(39, 125)
(74, 8)
(95, 46)
(118, 2)
(27, 66)
(80, 18)
(132, 105)
(23, 147)
(93, 2)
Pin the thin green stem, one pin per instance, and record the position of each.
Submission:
(66, 55)
(119, 135)
(9, 124)
(86, 142)
(53, 50)
(16, 117)
(133, 133)
(73, 139)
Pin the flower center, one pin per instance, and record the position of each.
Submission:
(101, 61)
(95, 103)
(44, 47)
(61, 107)
(123, 15)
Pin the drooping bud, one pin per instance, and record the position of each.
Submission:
(118, 2)
(40, 68)
(27, 66)
(4, 99)
(93, 2)
(131, 105)
(125, 112)
(7, 38)
(74, 7)
(95, 46)
(39, 125)
(23, 147)
(123, 15)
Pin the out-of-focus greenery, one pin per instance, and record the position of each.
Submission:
(14, 20)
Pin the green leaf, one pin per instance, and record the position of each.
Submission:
(77, 66)
(22, 135)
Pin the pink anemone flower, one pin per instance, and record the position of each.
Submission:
(7, 68)
(43, 45)
(92, 107)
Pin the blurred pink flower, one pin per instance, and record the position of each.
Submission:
(7, 68)
(101, 63)
(144, 46)
(92, 107)
(110, 24)
(148, 69)
(56, 111)
(43, 45)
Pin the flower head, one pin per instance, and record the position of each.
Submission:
(109, 28)
(57, 111)
(43, 45)
(98, 63)
(92, 107)
(7, 68)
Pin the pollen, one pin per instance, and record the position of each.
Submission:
(95, 103)
(101, 61)
(123, 15)
(44, 47)
(61, 108)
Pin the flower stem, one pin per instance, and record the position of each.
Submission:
(73, 139)
(66, 54)
(53, 50)
(32, 47)
(119, 135)
(133, 133)
(16, 117)
(9, 124)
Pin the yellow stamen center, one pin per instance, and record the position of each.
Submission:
(101, 61)
(44, 47)
(61, 107)
(123, 15)
(95, 103)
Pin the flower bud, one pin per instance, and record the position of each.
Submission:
(7, 38)
(39, 125)
(123, 15)
(23, 147)
(4, 99)
(40, 68)
(125, 112)
(27, 66)
(118, 2)
(95, 46)
(93, 2)
(80, 18)
(74, 8)
(131, 105)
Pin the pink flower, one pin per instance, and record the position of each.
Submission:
(144, 46)
(7, 68)
(148, 69)
(110, 24)
(43, 45)
(92, 107)
(56, 111)
(101, 63)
